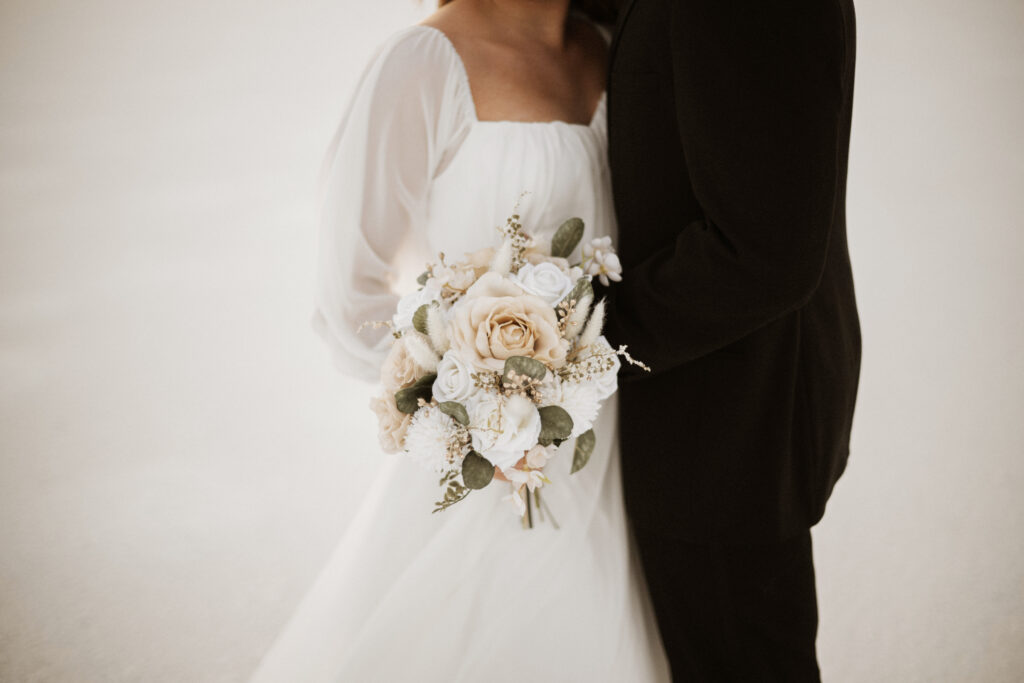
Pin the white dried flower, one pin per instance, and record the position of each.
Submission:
(574, 323)
(502, 262)
(419, 347)
(432, 440)
(594, 325)
(602, 261)
(437, 329)
(581, 401)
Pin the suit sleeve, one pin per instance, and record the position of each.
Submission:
(758, 95)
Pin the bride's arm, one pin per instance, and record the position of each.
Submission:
(375, 183)
(758, 95)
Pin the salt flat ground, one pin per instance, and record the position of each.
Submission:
(177, 457)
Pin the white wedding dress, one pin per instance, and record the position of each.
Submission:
(465, 594)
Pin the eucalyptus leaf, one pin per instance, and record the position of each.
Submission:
(408, 399)
(456, 410)
(521, 365)
(555, 424)
(584, 447)
(580, 290)
(419, 319)
(477, 471)
(567, 237)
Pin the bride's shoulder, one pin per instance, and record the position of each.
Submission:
(415, 52)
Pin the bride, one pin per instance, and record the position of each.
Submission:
(452, 121)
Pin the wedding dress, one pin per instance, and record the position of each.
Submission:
(466, 594)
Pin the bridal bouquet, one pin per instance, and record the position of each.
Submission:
(497, 359)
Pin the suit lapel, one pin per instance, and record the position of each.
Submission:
(619, 24)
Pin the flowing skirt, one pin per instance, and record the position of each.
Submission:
(467, 594)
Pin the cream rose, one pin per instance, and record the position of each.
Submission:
(392, 423)
(487, 330)
(493, 284)
(399, 369)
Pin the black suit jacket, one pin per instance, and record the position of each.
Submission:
(729, 125)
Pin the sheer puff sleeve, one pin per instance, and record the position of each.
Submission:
(400, 124)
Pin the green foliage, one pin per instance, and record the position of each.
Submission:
(419, 319)
(567, 237)
(581, 289)
(422, 279)
(456, 410)
(408, 399)
(477, 471)
(584, 447)
(521, 365)
(555, 425)
(453, 494)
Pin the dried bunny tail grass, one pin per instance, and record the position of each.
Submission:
(593, 328)
(577, 316)
(437, 331)
(418, 346)
(502, 261)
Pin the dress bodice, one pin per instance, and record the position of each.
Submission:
(413, 166)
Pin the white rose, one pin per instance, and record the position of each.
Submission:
(408, 304)
(545, 280)
(455, 382)
(503, 431)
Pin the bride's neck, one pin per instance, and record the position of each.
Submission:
(544, 20)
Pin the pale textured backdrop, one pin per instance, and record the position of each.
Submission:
(177, 457)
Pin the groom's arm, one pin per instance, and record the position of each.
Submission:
(758, 96)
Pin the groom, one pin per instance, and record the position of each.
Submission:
(729, 126)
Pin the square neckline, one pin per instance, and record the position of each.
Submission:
(464, 76)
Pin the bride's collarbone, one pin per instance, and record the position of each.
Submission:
(530, 81)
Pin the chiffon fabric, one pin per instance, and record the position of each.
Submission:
(466, 594)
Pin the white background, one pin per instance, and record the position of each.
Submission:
(177, 457)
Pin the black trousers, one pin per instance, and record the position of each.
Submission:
(731, 612)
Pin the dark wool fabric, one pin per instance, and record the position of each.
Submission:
(729, 126)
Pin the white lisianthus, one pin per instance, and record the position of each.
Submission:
(455, 381)
(602, 261)
(545, 280)
(581, 401)
(503, 430)
(432, 441)
(408, 304)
